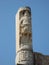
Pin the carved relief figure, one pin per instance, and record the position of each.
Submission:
(25, 27)
(25, 22)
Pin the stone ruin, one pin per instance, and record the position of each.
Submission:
(24, 52)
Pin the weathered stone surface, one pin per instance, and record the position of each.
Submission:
(24, 37)
(24, 52)
(40, 59)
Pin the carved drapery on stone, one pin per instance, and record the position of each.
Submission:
(25, 27)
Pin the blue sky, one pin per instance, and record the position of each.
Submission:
(40, 27)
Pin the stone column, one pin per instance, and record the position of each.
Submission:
(24, 53)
